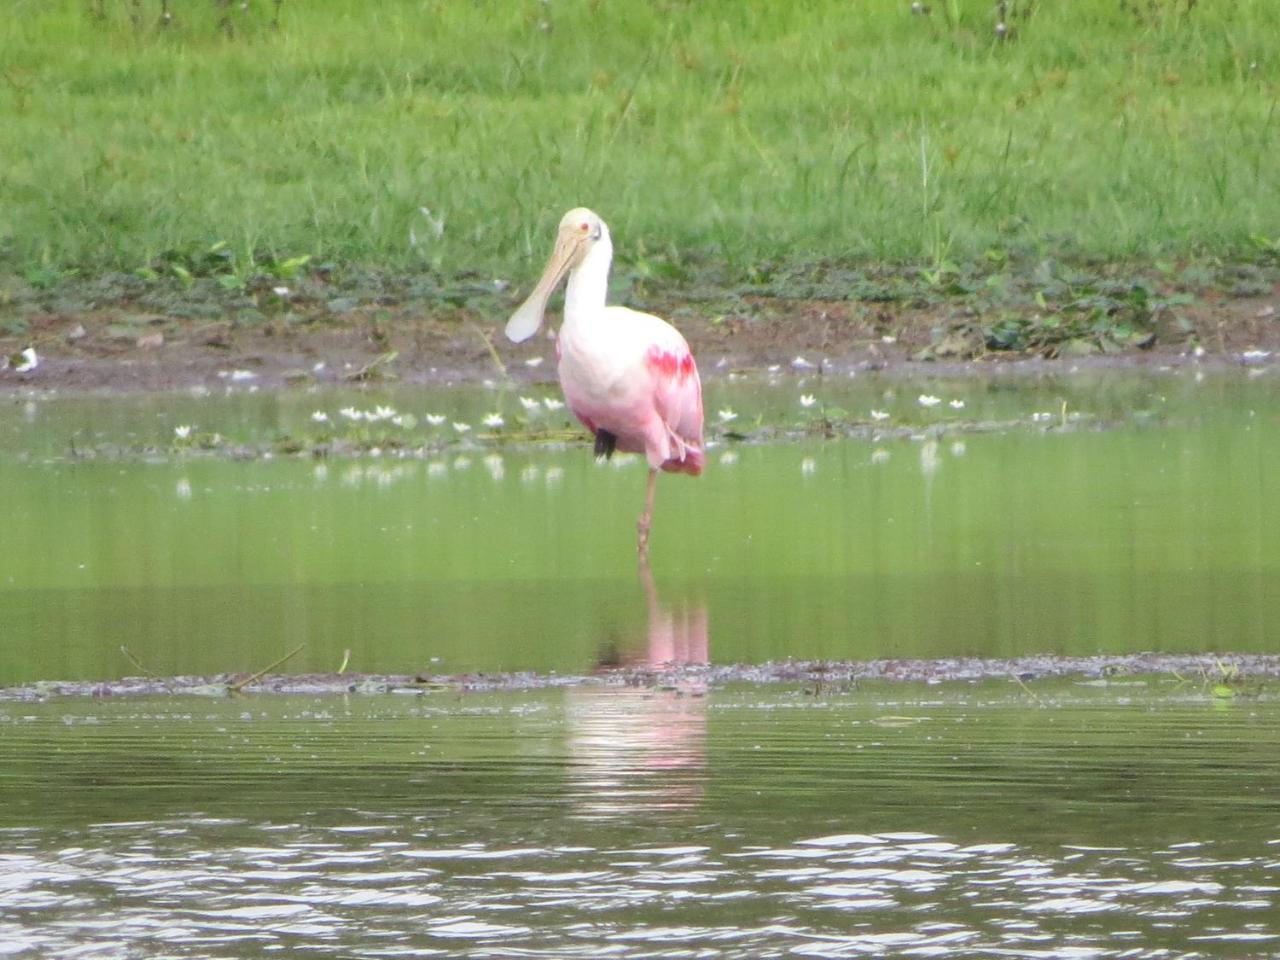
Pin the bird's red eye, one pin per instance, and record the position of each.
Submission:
(584, 227)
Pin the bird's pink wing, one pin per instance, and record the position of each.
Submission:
(677, 394)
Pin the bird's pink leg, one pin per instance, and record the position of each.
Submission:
(642, 525)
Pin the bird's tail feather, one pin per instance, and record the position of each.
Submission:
(606, 443)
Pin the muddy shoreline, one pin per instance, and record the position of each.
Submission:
(271, 366)
(1223, 676)
(118, 334)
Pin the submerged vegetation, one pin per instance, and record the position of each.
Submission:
(263, 140)
(530, 422)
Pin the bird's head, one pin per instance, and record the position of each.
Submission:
(580, 231)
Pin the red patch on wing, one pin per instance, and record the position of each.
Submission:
(669, 364)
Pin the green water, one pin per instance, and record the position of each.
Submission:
(1135, 820)
(1150, 525)
(1130, 817)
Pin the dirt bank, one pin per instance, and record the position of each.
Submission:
(120, 334)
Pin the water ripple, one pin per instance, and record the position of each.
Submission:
(990, 899)
(989, 835)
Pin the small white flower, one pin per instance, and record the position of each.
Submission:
(807, 466)
(774, 367)
(351, 413)
(1041, 416)
(493, 421)
(182, 432)
(29, 361)
(957, 404)
(318, 366)
(435, 419)
(405, 421)
(319, 416)
(239, 375)
(800, 363)
(807, 400)
(280, 291)
(879, 415)
(727, 415)
(552, 404)
(1255, 356)
(461, 427)
(888, 338)
(533, 362)
(728, 458)
(461, 463)
(529, 403)
(958, 448)
(1198, 352)
(927, 400)
(381, 413)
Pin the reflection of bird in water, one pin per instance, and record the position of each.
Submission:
(628, 376)
(675, 637)
(643, 747)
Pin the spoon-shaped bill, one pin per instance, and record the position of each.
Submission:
(524, 323)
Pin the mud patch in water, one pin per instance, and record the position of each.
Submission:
(1224, 676)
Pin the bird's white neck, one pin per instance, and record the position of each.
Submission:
(589, 284)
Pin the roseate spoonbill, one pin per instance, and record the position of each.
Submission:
(628, 376)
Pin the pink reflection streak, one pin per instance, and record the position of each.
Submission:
(674, 638)
(642, 745)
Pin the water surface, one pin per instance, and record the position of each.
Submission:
(1131, 820)
(1146, 524)
(1129, 817)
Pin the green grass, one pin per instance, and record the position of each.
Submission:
(715, 132)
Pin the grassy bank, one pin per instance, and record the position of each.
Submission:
(450, 136)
